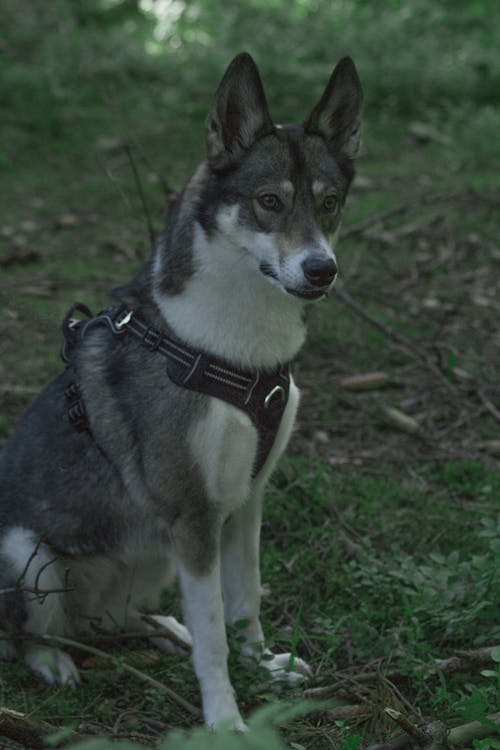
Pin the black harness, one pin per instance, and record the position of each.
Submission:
(263, 395)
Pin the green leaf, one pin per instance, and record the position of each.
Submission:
(495, 654)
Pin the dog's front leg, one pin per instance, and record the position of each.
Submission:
(204, 613)
(242, 593)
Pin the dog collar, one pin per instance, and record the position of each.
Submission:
(261, 394)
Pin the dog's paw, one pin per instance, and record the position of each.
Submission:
(221, 712)
(285, 668)
(178, 639)
(55, 666)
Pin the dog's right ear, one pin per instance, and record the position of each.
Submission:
(239, 114)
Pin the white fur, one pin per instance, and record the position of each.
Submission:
(229, 308)
(240, 565)
(36, 570)
(204, 614)
(224, 445)
(54, 665)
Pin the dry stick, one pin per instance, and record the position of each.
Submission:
(464, 734)
(58, 639)
(38, 592)
(400, 340)
(137, 178)
(168, 191)
(488, 405)
(439, 738)
(163, 631)
(465, 660)
(391, 213)
(420, 737)
(462, 662)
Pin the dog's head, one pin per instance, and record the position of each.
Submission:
(277, 192)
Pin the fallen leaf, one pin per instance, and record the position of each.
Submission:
(400, 420)
(365, 382)
(320, 436)
(492, 447)
(67, 221)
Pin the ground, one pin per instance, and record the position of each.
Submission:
(381, 539)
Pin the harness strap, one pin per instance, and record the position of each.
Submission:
(263, 395)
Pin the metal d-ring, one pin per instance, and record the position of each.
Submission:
(123, 320)
(278, 389)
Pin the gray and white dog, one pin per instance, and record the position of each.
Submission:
(149, 455)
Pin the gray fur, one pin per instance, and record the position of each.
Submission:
(106, 513)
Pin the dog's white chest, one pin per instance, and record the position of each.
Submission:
(224, 445)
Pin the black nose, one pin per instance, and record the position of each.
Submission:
(319, 271)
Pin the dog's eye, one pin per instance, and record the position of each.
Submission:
(330, 204)
(270, 202)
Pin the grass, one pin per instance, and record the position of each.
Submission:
(380, 549)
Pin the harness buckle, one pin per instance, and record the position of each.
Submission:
(122, 320)
(277, 391)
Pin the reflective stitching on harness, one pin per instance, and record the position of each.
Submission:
(232, 374)
(220, 379)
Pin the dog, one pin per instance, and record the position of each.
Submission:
(147, 457)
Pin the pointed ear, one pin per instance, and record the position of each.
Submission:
(337, 115)
(239, 113)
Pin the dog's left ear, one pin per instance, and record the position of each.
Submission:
(337, 115)
(239, 114)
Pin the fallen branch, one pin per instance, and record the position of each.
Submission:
(360, 227)
(464, 661)
(436, 735)
(119, 663)
(404, 343)
(463, 735)
(420, 736)
(163, 631)
(495, 413)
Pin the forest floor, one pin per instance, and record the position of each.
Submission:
(381, 538)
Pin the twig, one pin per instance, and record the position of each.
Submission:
(400, 340)
(390, 213)
(462, 662)
(30, 559)
(119, 663)
(419, 735)
(464, 734)
(465, 661)
(151, 231)
(488, 405)
(441, 738)
(38, 592)
(163, 631)
(167, 190)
